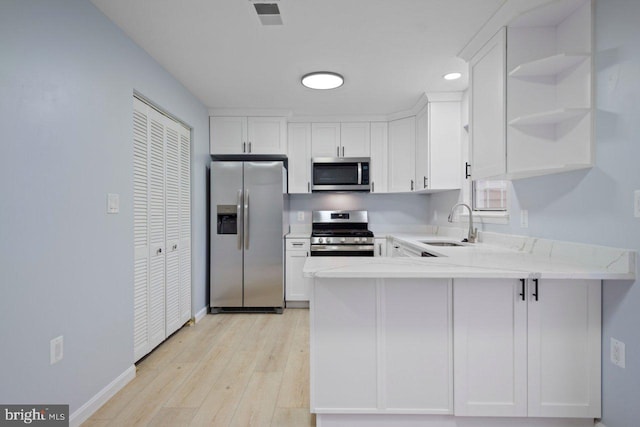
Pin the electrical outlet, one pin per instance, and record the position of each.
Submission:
(617, 353)
(300, 215)
(524, 218)
(636, 203)
(56, 350)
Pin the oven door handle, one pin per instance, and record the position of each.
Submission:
(341, 248)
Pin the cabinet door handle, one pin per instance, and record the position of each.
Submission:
(297, 244)
(535, 293)
(380, 249)
(467, 173)
(244, 147)
(249, 146)
(307, 253)
(411, 185)
(342, 151)
(425, 181)
(159, 251)
(522, 295)
(373, 187)
(337, 151)
(308, 187)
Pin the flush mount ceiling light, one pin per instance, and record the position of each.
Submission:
(452, 76)
(322, 80)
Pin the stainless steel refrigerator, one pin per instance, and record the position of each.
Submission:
(247, 201)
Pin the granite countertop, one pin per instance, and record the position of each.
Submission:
(496, 256)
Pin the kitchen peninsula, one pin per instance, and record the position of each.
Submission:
(503, 332)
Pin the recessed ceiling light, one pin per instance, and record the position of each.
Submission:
(322, 80)
(452, 76)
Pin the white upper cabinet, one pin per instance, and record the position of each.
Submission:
(402, 152)
(549, 90)
(340, 139)
(445, 151)
(438, 151)
(532, 108)
(325, 139)
(355, 139)
(248, 135)
(488, 114)
(379, 154)
(227, 135)
(299, 140)
(423, 158)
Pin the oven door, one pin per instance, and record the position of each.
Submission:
(342, 250)
(340, 174)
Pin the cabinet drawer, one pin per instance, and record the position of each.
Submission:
(298, 244)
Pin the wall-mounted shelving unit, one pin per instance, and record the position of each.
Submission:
(549, 90)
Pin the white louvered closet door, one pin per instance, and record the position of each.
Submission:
(141, 343)
(172, 210)
(162, 227)
(185, 224)
(157, 331)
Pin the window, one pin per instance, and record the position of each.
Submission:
(489, 195)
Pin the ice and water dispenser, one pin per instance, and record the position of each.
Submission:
(227, 219)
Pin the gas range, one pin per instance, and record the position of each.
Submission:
(341, 233)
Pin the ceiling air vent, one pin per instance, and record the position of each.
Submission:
(269, 13)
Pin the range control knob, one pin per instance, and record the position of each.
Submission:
(356, 240)
(342, 240)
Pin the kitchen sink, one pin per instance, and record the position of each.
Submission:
(440, 243)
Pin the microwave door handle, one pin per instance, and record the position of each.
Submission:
(359, 173)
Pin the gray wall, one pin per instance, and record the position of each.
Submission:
(596, 206)
(66, 267)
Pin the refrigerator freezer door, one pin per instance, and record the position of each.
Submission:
(226, 249)
(263, 257)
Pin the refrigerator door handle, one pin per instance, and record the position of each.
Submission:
(246, 220)
(239, 209)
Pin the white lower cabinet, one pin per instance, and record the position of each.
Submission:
(527, 348)
(381, 346)
(298, 287)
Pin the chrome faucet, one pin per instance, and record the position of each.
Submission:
(473, 232)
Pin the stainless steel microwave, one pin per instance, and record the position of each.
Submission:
(340, 174)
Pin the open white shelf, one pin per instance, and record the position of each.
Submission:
(549, 117)
(549, 66)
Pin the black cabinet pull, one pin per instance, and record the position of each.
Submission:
(467, 174)
(522, 293)
(535, 293)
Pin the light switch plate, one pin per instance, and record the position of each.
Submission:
(113, 203)
(56, 349)
(300, 215)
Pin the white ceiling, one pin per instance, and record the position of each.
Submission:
(390, 52)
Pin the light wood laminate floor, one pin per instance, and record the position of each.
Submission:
(227, 370)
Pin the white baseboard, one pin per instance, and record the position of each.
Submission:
(200, 315)
(599, 424)
(85, 411)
